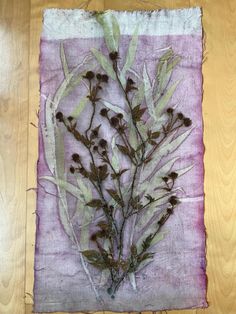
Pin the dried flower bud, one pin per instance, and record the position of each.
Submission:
(72, 169)
(103, 143)
(70, 118)
(95, 148)
(180, 116)
(170, 210)
(187, 122)
(130, 81)
(94, 133)
(99, 76)
(173, 175)
(113, 55)
(76, 157)
(104, 153)
(119, 116)
(165, 179)
(104, 78)
(89, 75)
(103, 112)
(93, 237)
(114, 121)
(173, 200)
(59, 116)
(170, 110)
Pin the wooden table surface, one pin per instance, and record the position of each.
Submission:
(20, 26)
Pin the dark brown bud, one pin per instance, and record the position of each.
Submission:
(59, 116)
(170, 110)
(187, 122)
(173, 175)
(70, 118)
(130, 81)
(119, 116)
(113, 55)
(170, 210)
(99, 76)
(93, 237)
(103, 143)
(114, 121)
(89, 75)
(180, 116)
(103, 112)
(173, 200)
(165, 179)
(94, 133)
(72, 169)
(95, 148)
(104, 78)
(104, 153)
(76, 157)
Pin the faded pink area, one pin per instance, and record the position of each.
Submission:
(176, 278)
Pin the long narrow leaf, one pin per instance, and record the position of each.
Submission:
(163, 101)
(64, 61)
(131, 51)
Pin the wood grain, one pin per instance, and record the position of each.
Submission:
(14, 44)
(18, 143)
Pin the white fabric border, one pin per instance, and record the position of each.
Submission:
(62, 24)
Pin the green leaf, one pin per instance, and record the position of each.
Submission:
(94, 258)
(104, 62)
(115, 153)
(148, 92)
(116, 31)
(184, 170)
(48, 136)
(103, 20)
(79, 108)
(131, 52)
(163, 101)
(175, 61)
(86, 193)
(139, 95)
(62, 184)
(132, 280)
(64, 61)
(156, 179)
(174, 144)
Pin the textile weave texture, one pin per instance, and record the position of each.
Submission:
(161, 51)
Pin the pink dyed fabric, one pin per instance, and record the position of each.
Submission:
(176, 279)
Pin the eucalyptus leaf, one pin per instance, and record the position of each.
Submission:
(163, 101)
(70, 188)
(104, 62)
(131, 51)
(184, 170)
(64, 61)
(132, 280)
(174, 144)
(103, 20)
(115, 154)
(175, 61)
(138, 96)
(148, 92)
(116, 31)
(80, 107)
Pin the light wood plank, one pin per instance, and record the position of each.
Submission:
(14, 44)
